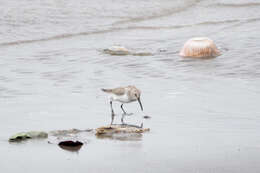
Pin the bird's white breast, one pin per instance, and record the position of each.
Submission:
(121, 98)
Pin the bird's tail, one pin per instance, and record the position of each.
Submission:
(107, 90)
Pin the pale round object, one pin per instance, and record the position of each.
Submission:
(199, 47)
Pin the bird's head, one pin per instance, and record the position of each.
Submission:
(136, 95)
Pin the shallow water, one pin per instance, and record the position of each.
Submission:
(205, 113)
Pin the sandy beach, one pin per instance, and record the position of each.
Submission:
(204, 112)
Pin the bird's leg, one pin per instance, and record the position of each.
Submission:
(123, 108)
(122, 118)
(112, 118)
(125, 111)
(112, 113)
(112, 110)
(123, 115)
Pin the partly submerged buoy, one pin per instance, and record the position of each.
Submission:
(199, 47)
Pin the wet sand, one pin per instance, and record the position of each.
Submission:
(205, 113)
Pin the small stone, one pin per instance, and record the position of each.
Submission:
(70, 145)
(122, 128)
(117, 50)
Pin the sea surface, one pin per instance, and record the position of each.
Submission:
(205, 113)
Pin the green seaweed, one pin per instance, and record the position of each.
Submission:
(28, 135)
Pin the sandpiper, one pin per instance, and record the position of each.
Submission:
(126, 94)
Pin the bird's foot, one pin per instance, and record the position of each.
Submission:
(122, 121)
(123, 124)
(128, 114)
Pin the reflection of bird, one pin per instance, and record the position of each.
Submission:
(124, 95)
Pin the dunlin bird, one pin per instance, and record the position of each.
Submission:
(126, 94)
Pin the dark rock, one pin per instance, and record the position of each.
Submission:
(71, 145)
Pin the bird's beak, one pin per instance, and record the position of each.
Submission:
(140, 103)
